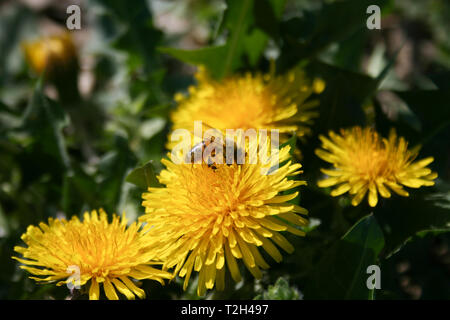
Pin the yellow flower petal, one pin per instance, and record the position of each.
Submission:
(359, 196)
(373, 198)
(94, 290)
(137, 291)
(123, 289)
(343, 188)
(109, 290)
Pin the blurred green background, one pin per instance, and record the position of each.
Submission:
(68, 145)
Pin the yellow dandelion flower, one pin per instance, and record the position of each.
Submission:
(365, 163)
(249, 102)
(204, 218)
(54, 53)
(98, 251)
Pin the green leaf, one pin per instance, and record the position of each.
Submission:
(222, 60)
(210, 57)
(305, 37)
(343, 97)
(113, 170)
(265, 18)
(79, 191)
(403, 218)
(5, 108)
(342, 272)
(45, 119)
(137, 36)
(351, 51)
(144, 176)
(15, 19)
(9, 118)
(424, 120)
(237, 20)
(421, 264)
(393, 112)
(255, 43)
(266, 14)
(431, 107)
(373, 86)
(278, 7)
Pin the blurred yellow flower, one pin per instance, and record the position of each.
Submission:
(102, 253)
(365, 163)
(249, 102)
(204, 218)
(54, 54)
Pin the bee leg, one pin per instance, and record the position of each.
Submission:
(211, 164)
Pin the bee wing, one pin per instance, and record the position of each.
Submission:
(224, 140)
(205, 126)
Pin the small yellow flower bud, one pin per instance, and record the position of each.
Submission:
(54, 55)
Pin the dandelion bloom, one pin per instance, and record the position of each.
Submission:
(249, 102)
(204, 218)
(102, 252)
(365, 163)
(55, 54)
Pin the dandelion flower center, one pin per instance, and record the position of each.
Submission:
(370, 159)
(242, 103)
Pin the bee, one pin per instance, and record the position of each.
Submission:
(218, 148)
